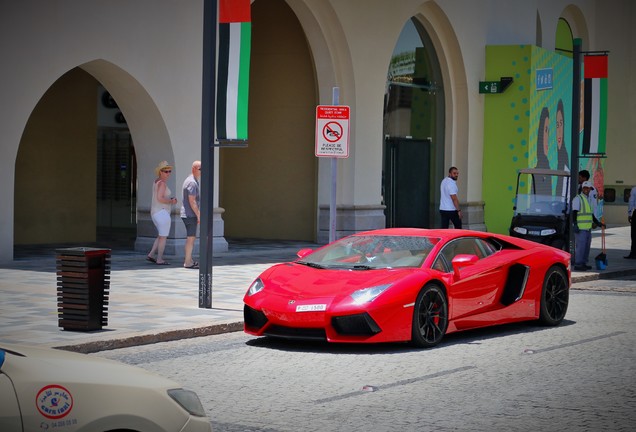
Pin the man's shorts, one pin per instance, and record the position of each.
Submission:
(191, 226)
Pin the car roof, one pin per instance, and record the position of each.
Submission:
(444, 234)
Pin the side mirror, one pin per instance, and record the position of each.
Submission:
(462, 260)
(304, 252)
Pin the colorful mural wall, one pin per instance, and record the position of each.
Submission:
(526, 126)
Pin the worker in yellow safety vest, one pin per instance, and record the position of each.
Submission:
(583, 217)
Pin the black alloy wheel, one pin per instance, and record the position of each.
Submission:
(554, 297)
(430, 317)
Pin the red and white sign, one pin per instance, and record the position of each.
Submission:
(332, 131)
(54, 401)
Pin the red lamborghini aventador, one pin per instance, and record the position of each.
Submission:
(407, 284)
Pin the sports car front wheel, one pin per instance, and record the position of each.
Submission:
(430, 317)
(554, 297)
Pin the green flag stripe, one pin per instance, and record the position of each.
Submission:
(243, 80)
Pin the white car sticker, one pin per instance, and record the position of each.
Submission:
(311, 308)
(54, 401)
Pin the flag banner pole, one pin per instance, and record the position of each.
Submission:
(207, 153)
(575, 137)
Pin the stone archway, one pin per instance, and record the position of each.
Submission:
(61, 136)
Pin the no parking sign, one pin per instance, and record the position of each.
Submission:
(332, 131)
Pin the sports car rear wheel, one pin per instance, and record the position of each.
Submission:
(430, 317)
(554, 297)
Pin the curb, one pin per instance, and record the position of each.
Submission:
(584, 277)
(150, 338)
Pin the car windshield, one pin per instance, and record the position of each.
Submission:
(540, 205)
(372, 252)
(542, 192)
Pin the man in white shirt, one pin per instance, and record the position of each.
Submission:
(631, 206)
(449, 203)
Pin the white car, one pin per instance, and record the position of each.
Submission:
(44, 389)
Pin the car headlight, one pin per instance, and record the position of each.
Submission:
(257, 286)
(547, 232)
(366, 295)
(188, 400)
(520, 230)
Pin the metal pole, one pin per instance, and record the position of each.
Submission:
(576, 120)
(207, 153)
(335, 100)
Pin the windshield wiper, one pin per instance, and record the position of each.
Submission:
(311, 264)
(362, 267)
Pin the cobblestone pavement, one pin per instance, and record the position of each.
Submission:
(150, 303)
(578, 376)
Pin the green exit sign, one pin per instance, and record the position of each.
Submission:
(489, 87)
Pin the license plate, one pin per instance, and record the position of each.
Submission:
(534, 233)
(311, 308)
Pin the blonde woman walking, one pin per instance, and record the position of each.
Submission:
(160, 209)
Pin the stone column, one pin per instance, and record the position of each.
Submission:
(473, 216)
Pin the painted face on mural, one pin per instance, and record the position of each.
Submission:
(546, 135)
(559, 129)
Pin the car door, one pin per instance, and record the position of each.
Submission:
(478, 286)
(10, 419)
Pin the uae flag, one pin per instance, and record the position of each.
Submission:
(595, 104)
(233, 74)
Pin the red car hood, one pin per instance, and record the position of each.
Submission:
(298, 280)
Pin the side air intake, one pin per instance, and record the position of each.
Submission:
(515, 284)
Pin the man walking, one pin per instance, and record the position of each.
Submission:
(190, 212)
(631, 218)
(449, 203)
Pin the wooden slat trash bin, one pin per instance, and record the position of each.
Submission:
(83, 280)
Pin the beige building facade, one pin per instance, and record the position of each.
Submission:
(98, 92)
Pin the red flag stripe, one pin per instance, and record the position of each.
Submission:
(595, 66)
(231, 11)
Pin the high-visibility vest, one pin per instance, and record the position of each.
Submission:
(584, 215)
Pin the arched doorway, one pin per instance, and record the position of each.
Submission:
(75, 169)
(413, 152)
